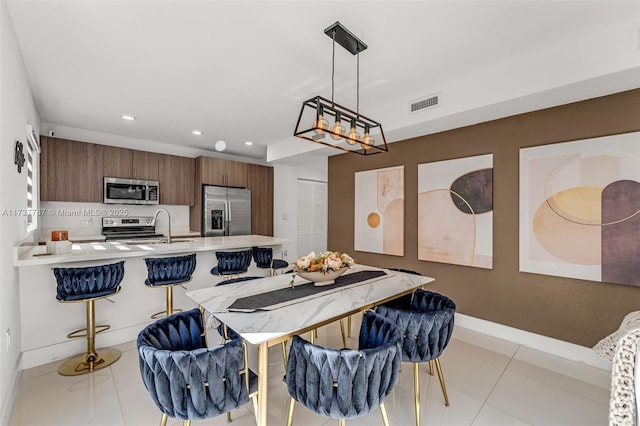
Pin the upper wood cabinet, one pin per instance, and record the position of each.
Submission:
(117, 162)
(176, 176)
(145, 166)
(217, 171)
(70, 171)
(73, 171)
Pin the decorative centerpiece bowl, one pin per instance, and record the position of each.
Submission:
(320, 278)
(324, 268)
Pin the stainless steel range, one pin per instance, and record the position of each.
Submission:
(130, 228)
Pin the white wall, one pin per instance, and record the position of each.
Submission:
(285, 200)
(17, 109)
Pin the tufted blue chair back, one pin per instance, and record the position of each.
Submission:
(87, 283)
(262, 256)
(169, 270)
(232, 262)
(185, 379)
(426, 322)
(346, 383)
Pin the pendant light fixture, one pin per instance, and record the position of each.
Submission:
(323, 121)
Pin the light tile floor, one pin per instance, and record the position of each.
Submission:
(490, 382)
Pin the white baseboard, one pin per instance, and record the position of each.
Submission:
(46, 354)
(539, 342)
(10, 396)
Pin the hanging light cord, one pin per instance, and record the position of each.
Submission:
(358, 82)
(333, 64)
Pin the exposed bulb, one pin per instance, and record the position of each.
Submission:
(367, 141)
(320, 124)
(338, 128)
(353, 137)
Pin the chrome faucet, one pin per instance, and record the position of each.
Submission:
(155, 216)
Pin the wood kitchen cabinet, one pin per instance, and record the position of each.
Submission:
(176, 177)
(70, 170)
(145, 166)
(217, 171)
(261, 185)
(117, 162)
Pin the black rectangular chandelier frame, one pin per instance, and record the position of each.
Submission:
(360, 134)
(314, 133)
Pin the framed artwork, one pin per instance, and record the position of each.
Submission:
(455, 211)
(580, 209)
(379, 211)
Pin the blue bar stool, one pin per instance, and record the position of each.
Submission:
(87, 285)
(167, 272)
(263, 256)
(232, 263)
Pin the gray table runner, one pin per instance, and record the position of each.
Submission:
(284, 296)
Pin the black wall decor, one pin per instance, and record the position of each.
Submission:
(18, 156)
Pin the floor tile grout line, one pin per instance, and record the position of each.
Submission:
(496, 384)
(555, 373)
(115, 386)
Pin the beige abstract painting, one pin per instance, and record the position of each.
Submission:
(580, 209)
(455, 211)
(379, 211)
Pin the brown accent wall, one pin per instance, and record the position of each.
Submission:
(572, 310)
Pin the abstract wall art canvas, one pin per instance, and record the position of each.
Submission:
(379, 211)
(455, 211)
(580, 209)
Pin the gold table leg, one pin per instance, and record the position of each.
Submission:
(416, 388)
(263, 382)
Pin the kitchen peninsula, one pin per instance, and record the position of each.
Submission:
(46, 322)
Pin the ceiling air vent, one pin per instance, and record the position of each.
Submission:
(429, 102)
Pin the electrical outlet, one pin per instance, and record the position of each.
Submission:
(284, 253)
(8, 339)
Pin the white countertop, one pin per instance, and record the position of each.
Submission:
(33, 255)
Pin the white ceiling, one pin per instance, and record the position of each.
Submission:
(239, 70)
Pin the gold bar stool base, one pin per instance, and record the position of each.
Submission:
(87, 363)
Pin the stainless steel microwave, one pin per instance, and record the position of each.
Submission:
(130, 191)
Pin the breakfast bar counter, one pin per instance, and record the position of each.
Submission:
(45, 322)
(110, 250)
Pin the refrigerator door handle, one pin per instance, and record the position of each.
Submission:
(229, 211)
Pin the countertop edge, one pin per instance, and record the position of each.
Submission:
(24, 255)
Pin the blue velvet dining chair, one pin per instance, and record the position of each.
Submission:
(232, 263)
(263, 256)
(188, 380)
(425, 320)
(88, 284)
(346, 383)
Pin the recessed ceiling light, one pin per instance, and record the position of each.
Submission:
(221, 145)
(197, 132)
(128, 117)
(248, 143)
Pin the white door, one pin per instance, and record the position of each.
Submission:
(312, 216)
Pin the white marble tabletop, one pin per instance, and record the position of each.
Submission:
(269, 326)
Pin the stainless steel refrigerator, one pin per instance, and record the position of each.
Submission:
(225, 211)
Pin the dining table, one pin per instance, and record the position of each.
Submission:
(268, 311)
